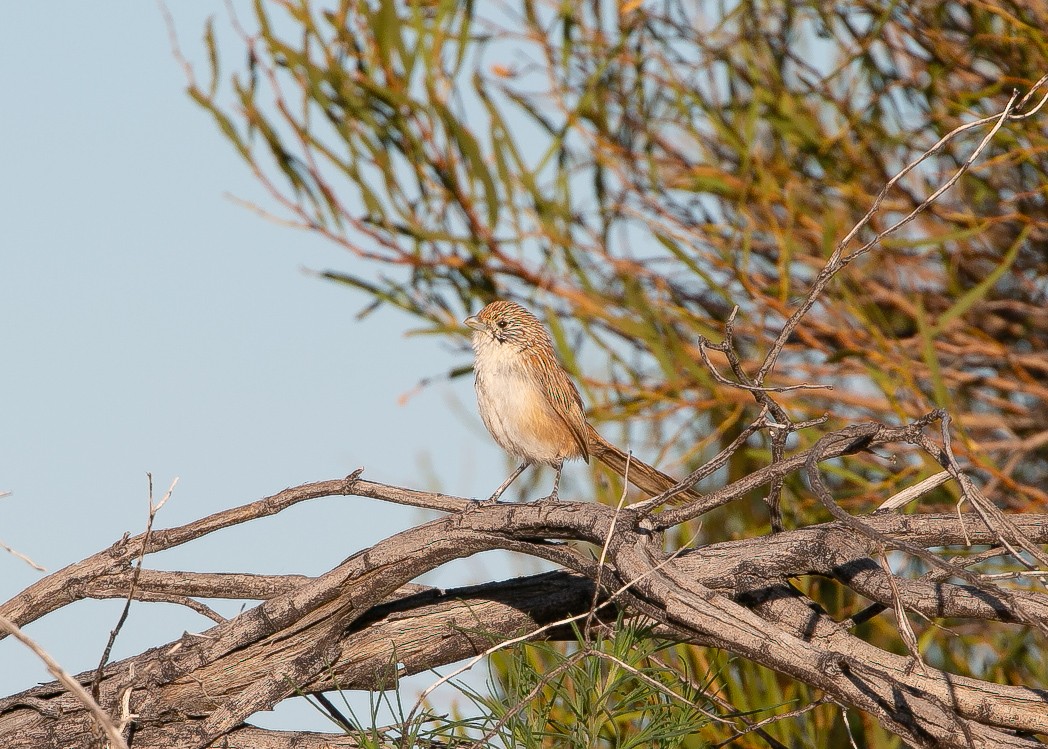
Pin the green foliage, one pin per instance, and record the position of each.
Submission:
(635, 170)
(612, 692)
(624, 688)
(639, 169)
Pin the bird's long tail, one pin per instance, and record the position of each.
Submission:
(646, 478)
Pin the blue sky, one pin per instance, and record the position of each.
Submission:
(151, 324)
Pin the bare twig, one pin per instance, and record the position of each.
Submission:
(838, 260)
(910, 493)
(153, 509)
(758, 727)
(19, 555)
(712, 466)
(604, 547)
(909, 638)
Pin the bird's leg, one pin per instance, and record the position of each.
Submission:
(505, 484)
(553, 496)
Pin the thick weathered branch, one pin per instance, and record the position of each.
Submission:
(341, 630)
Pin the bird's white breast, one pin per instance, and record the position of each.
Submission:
(514, 407)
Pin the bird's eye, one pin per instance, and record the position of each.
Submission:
(501, 323)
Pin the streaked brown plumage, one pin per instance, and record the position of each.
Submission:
(530, 405)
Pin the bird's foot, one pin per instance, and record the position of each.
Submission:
(553, 498)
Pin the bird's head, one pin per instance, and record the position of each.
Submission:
(504, 322)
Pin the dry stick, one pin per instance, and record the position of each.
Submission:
(271, 505)
(604, 548)
(19, 555)
(340, 719)
(727, 347)
(774, 498)
(761, 476)
(991, 516)
(74, 687)
(910, 493)
(705, 343)
(847, 727)
(909, 638)
(1017, 575)
(193, 605)
(64, 586)
(153, 510)
(994, 520)
(236, 585)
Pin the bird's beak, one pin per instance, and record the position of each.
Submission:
(475, 322)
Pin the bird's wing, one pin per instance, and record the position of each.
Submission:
(567, 404)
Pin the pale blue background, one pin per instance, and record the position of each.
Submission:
(150, 324)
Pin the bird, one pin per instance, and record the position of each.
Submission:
(530, 405)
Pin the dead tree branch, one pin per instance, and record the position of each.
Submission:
(340, 630)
